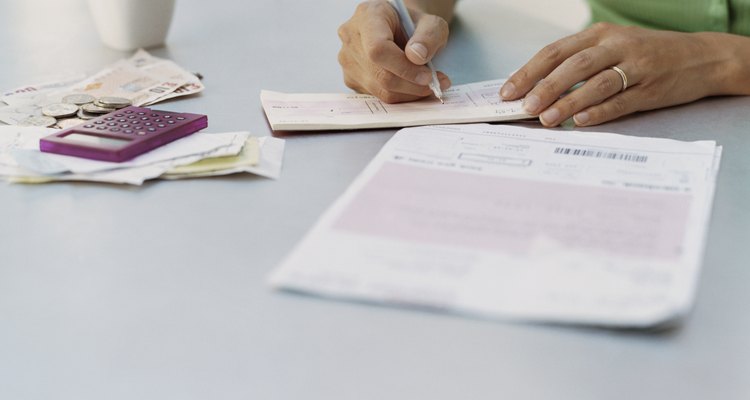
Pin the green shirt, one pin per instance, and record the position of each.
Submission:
(732, 16)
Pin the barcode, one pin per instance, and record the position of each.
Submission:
(610, 155)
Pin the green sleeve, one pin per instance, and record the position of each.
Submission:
(678, 15)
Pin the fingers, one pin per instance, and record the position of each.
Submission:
(430, 35)
(374, 63)
(624, 103)
(384, 84)
(654, 69)
(596, 90)
(403, 94)
(551, 73)
(579, 67)
(390, 69)
(544, 62)
(388, 75)
(386, 55)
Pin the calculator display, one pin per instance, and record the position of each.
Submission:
(97, 140)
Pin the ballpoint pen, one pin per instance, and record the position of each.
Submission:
(408, 24)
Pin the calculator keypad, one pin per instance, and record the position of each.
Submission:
(129, 122)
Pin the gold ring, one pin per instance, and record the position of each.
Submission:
(623, 76)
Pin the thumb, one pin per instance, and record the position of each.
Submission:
(430, 35)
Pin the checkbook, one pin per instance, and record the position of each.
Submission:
(474, 102)
(508, 222)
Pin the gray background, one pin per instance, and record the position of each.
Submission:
(158, 292)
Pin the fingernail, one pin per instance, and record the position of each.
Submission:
(508, 90)
(424, 78)
(582, 118)
(531, 104)
(420, 49)
(445, 83)
(550, 116)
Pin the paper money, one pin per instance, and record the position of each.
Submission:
(68, 123)
(78, 99)
(126, 81)
(172, 74)
(141, 79)
(61, 114)
(43, 121)
(18, 113)
(24, 93)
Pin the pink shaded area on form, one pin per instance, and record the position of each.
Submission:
(412, 203)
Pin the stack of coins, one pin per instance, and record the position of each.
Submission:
(75, 109)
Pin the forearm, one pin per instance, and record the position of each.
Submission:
(441, 8)
(731, 74)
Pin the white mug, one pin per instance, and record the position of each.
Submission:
(132, 24)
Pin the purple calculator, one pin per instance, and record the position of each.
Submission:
(123, 134)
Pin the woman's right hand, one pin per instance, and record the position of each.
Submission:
(376, 58)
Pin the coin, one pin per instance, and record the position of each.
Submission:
(67, 123)
(92, 108)
(78, 99)
(113, 102)
(103, 105)
(38, 121)
(59, 110)
(86, 116)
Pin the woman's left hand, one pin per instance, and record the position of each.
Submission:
(663, 69)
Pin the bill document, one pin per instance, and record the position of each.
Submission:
(509, 222)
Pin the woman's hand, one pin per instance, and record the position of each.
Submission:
(663, 69)
(373, 58)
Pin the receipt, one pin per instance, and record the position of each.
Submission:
(475, 102)
(516, 223)
(22, 162)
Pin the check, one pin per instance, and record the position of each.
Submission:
(511, 222)
(474, 102)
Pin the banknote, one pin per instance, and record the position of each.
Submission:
(170, 72)
(124, 80)
(19, 104)
(141, 79)
(24, 94)
(16, 114)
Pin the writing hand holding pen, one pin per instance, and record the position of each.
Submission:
(377, 57)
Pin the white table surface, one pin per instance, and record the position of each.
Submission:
(158, 292)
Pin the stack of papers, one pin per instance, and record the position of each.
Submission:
(516, 223)
(474, 102)
(198, 155)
